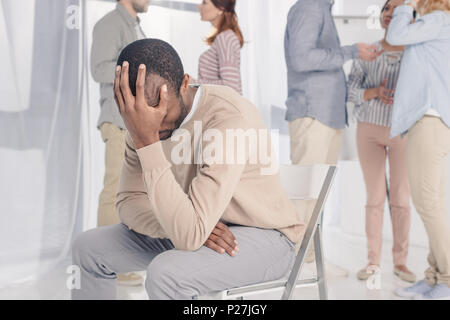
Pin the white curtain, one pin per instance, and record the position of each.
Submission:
(51, 153)
(40, 137)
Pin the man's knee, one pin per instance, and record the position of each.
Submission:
(165, 279)
(159, 283)
(84, 248)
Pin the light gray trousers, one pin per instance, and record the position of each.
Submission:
(264, 255)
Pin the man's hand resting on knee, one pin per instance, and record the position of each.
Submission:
(222, 240)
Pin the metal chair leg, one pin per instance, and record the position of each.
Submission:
(320, 264)
(313, 229)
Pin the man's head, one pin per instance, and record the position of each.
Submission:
(139, 6)
(163, 66)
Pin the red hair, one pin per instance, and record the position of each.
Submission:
(228, 22)
(428, 6)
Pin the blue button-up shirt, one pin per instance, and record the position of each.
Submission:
(317, 85)
(424, 80)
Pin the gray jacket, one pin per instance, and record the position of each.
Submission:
(111, 34)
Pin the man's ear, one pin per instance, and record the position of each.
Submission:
(187, 79)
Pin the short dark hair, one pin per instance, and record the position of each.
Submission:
(159, 57)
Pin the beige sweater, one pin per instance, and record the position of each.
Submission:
(184, 202)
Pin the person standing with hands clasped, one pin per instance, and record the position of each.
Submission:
(371, 87)
(221, 64)
(422, 108)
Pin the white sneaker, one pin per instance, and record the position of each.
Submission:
(438, 292)
(417, 289)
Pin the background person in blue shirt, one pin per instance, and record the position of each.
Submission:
(422, 107)
(317, 89)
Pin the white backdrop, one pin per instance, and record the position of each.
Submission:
(40, 137)
(52, 156)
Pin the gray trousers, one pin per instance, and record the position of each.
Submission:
(264, 255)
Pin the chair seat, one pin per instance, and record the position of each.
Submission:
(259, 288)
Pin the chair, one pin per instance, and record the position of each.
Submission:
(301, 183)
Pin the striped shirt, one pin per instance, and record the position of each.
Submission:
(366, 75)
(221, 64)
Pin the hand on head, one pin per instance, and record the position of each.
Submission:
(142, 121)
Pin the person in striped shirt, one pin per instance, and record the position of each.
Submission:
(221, 63)
(371, 87)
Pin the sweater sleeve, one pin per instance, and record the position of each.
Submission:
(189, 218)
(402, 32)
(228, 50)
(132, 203)
(303, 31)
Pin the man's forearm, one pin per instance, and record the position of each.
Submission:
(305, 26)
(320, 59)
(135, 212)
(132, 203)
(188, 218)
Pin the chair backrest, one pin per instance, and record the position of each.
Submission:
(305, 183)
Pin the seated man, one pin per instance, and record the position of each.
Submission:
(198, 212)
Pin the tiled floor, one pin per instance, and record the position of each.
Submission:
(344, 250)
